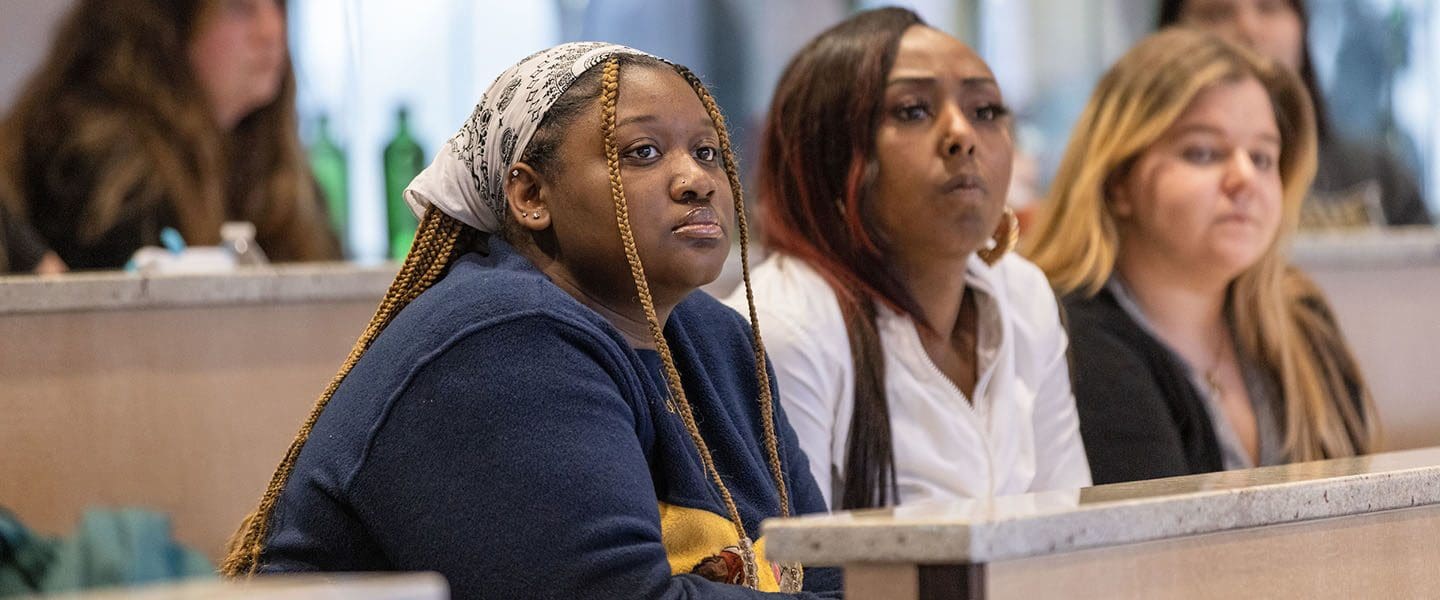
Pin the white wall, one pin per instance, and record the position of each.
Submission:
(26, 27)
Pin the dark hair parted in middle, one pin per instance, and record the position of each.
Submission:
(816, 174)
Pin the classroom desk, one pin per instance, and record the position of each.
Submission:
(1351, 528)
(180, 393)
(174, 393)
(330, 586)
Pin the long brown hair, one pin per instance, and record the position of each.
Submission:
(441, 238)
(817, 167)
(119, 86)
(1280, 317)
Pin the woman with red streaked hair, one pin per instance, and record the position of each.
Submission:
(917, 358)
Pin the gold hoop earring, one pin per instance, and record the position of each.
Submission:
(1007, 234)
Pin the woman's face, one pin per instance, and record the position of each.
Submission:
(1206, 198)
(1270, 27)
(679, 199)
(944, 149)
(238, 55)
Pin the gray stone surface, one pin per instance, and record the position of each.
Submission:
(1367, 249)
(318, 282)
(1062, 521)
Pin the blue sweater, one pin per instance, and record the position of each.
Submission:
(505, 435)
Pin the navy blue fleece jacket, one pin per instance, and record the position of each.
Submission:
(503, 434)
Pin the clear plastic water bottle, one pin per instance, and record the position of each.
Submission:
(239, 238)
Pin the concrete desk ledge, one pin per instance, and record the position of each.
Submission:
(337, 586)
(1413, 246)
(91, 291)
(984, 531)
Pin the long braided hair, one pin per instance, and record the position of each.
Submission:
(441, 238)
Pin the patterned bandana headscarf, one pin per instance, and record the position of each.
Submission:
(466, 180)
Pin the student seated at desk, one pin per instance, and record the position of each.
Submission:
(1196, 347)
(918, 359)
(150, 114)
(533, 412)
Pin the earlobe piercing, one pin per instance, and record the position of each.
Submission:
(535, 215)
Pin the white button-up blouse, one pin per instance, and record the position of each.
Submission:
(1021, 433)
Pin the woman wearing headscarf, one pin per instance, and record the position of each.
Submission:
(542, 406)
(918, 359)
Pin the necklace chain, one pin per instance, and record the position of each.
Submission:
(1212, 375)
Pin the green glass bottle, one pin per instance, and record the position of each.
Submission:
(327, 161)
(403, 161)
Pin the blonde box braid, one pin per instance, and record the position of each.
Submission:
(438, 240)
(792, 576)
(791, 579)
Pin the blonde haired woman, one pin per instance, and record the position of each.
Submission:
(1195, 346)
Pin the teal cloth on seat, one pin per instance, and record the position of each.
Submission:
(121, 547)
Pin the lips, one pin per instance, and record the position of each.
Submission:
(964, 182)
(1236, 219)
(701, 223)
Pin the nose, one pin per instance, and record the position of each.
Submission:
(1239, 174)
(691, 182)
(958, 137)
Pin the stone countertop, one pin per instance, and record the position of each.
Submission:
(1009, 527)
(1368, 249)
(90, 291)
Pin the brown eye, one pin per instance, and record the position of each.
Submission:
(1202, 155)
(912, 111)
(646, 152)
(1263, 161)
(707, 153)
(991, 112)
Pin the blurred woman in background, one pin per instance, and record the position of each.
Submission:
(1195, 346)
(1350, 171)
(162, 113)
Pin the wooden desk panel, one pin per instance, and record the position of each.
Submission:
(182, 410)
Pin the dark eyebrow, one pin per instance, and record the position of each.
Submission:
(930, 81)
(636, 119)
